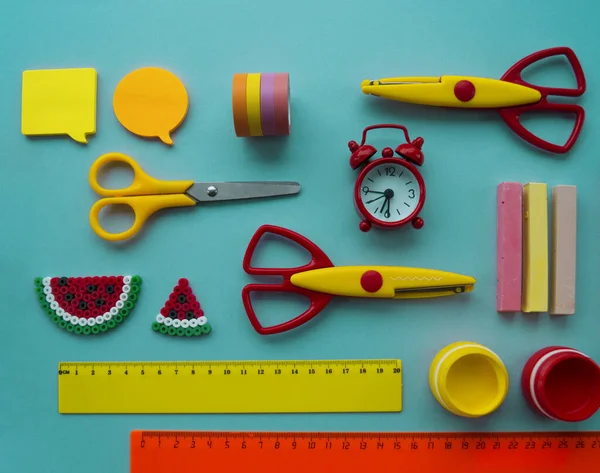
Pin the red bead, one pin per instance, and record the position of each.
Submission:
(183, 282)
(63, 289)
(173, 297)
(198, 313)
(169, 304)
(187, 290)
(91, 305)
(181, 315)
(164, 311)
(177, 290)
(194, 305)
(185, 307)
(96, 280)
(177, 306)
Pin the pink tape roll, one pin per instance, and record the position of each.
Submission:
(282, 104)
(267, 104)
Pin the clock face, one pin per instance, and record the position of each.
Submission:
(390, 192)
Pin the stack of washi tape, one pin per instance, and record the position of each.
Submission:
(261, 104)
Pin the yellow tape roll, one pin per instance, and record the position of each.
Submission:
(253, 104)
(468, 379)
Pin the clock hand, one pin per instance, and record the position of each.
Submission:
(377, 198)
(374, 192)
(387, 201)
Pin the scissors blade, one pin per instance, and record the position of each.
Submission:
(218, 191)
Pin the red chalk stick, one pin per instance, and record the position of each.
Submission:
(509, 253)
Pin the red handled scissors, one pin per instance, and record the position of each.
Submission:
(320, 280)
(511, 95)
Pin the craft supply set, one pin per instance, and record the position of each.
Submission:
(466, 378)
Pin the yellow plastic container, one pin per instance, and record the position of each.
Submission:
(468, 379)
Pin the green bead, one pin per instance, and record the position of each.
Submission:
(197, 330)
(136, 280)
(63, 323)
(95, 330)
(56, 319)
(111, 323)
(135, 289)
(38, 281)
(164, 328)
(206, 328)
(42, 298)
(180, 332)
(156, 326)
(132, 297)
(87, 330)
(124, 312)
(40, 291)
(189, 332)
(129, 305)
(70, 327)
(45, 305)
(103, 327)
(172, 331)
(78, 329)
(50, 312)
(118, 318)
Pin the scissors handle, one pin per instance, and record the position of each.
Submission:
(319, 258)
(514, 73)
(512, 117)
(142, 184)
(142, 206)
(318, 301)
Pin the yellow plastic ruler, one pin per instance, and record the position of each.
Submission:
(186, 387)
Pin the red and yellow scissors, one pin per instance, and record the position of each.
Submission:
(320, 280)
(511, 95)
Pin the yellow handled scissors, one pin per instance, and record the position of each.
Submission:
(145, 195)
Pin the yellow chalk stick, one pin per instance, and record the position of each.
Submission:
(535, 248)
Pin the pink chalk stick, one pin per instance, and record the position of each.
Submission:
(509, 252)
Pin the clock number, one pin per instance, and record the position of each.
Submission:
(365, 189)
(411, 193)
(390, 171)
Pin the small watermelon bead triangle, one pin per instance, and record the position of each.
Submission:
(88, 305)
(182, 316)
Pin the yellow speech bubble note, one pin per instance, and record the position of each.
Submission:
(151, 102)
(59, 102)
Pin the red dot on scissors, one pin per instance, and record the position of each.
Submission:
(371, 281)
(464, 90)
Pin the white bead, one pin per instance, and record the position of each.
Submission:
(176, 323)
(126, 279)
(185, 323)
(107, 316)
(202, 320)
(54, 305)
(123, 297)
(66, 317)
(60, 311)
(113, 311)
(119, 304)
(47, 290)
(74, 320)
(46, 281)
(82, 321)
(91, 321)
(160, 318)
(126, 288)
(193, 323)
(50, 297)
(100, 319)
(168, 321)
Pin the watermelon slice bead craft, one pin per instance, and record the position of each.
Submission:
(88, 305)
(182, 315)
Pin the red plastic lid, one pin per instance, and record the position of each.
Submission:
(562, 383)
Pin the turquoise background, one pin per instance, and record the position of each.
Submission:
(328, 47)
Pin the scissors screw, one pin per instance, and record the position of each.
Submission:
(212, 191)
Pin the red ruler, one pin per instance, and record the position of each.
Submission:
(328, 452)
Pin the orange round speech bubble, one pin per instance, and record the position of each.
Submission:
(151, 102)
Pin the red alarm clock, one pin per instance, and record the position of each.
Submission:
(390, 191)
